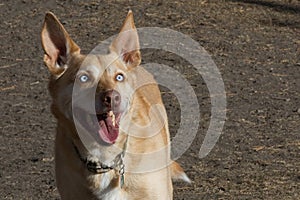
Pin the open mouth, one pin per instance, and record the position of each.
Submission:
(101, 119)
(109, 126)
(104, 126)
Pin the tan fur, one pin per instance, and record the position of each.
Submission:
(74, 181)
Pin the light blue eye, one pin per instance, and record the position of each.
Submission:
(120, 77)
(84, 78)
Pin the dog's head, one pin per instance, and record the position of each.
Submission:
(99, 85)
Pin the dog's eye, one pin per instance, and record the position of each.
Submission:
(84, 78)
(120, 77)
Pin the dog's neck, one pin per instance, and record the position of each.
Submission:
(96, 167)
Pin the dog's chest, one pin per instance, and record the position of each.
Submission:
(107, 188)
(115, 194)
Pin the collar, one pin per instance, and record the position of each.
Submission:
(100, 168)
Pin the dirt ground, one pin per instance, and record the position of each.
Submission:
(256, 46)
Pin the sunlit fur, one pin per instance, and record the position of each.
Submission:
(139, 95)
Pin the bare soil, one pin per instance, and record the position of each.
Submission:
(256, 46)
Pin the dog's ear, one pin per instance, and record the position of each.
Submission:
(57, 45)
(127, 43)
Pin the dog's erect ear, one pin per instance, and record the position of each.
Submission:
(127, 43)
(57, 45)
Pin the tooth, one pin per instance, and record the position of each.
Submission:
(113, 118)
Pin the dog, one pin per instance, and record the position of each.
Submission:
(112, 139)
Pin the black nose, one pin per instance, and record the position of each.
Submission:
(112, 99)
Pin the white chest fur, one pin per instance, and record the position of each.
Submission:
(107, 188)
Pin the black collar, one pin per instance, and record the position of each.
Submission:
(100, 168)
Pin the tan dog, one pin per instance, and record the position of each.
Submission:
(112, 138)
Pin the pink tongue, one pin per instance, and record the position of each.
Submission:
(108, 132)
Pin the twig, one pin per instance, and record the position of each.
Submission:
(7, 66)
(181, 23)
(8, 88)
